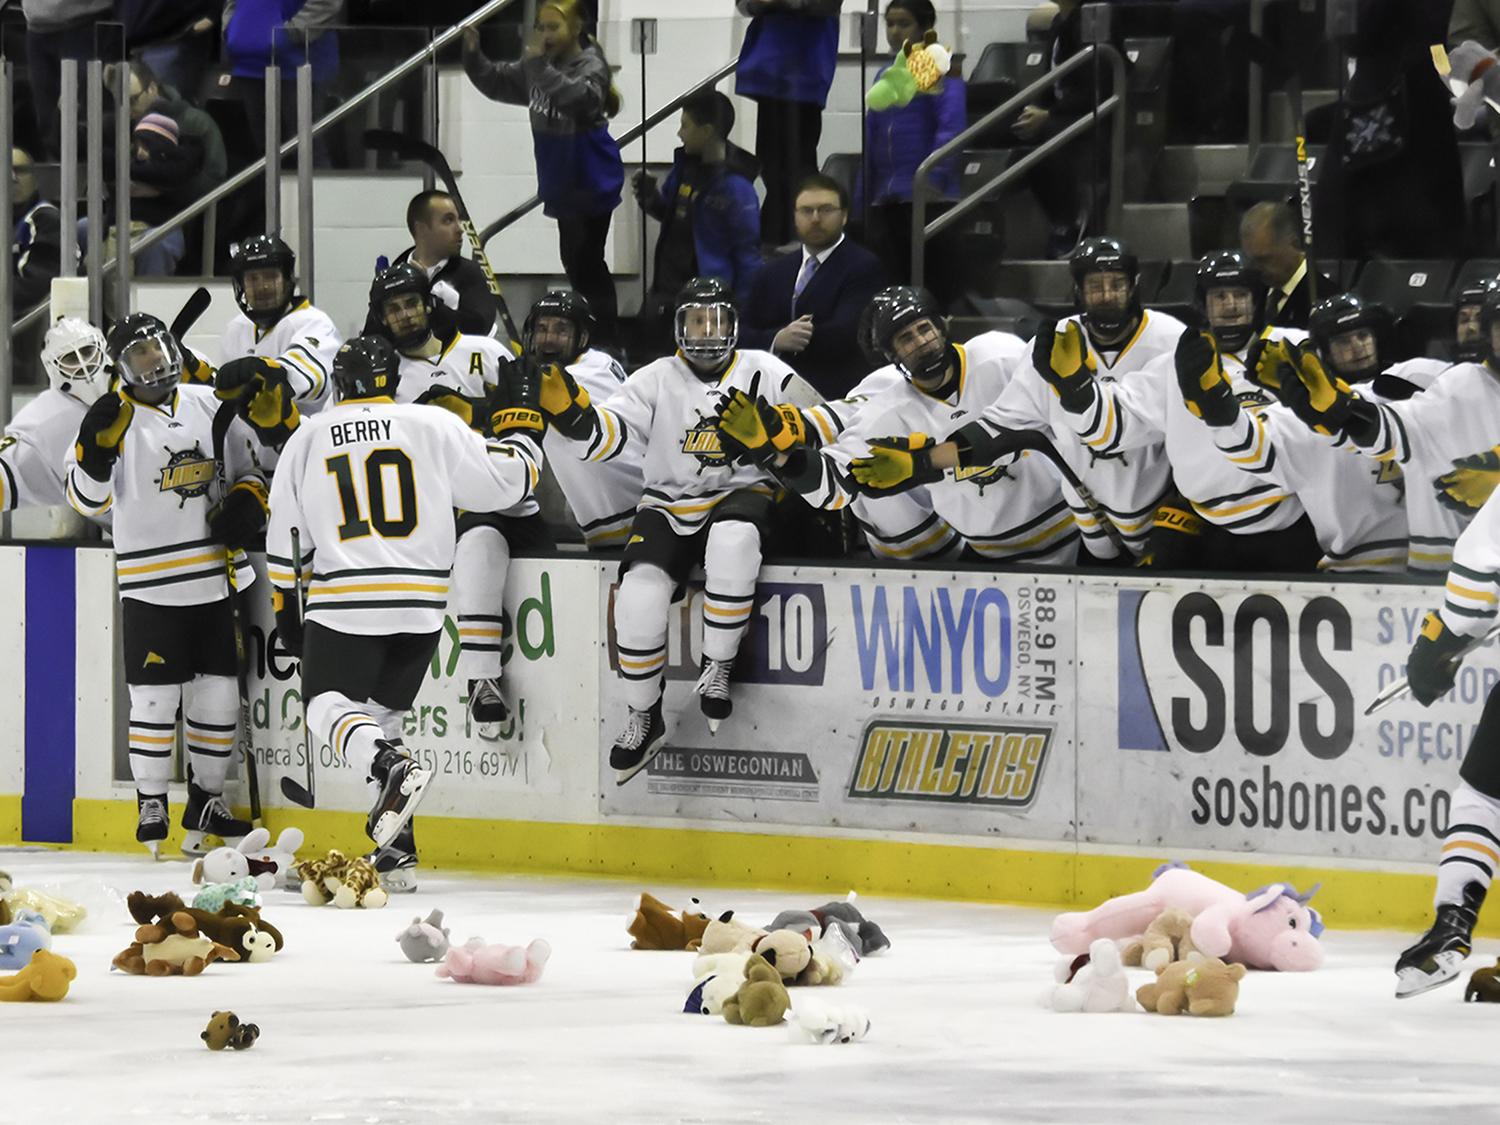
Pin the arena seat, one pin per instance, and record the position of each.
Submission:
(1273, 174)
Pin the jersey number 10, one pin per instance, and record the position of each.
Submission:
(355, 525)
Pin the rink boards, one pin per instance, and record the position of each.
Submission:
(964, 733)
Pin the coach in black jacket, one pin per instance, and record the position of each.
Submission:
(805, 306)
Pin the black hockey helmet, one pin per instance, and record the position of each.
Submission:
(1489, 320)
(1468, 310)
(145, 354)
(716, 331)
(567, 305)
(1342, 314)
(1231, 269)
(904, 305)
(865, 332)
(397, 281)
(263, 251)
(1104, 254)
(365, 367)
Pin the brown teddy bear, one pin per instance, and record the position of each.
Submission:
(762, 1000)
(1484, 985)
(345, 882)
(241, 928)
(657, 926)
(1168, 938)
(1201, 986)
(793, 948)
(225, 1030)
(171, 947)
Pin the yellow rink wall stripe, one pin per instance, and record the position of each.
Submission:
(648, 857)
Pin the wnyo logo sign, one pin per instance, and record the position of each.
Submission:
(932, 641)
(995, 766)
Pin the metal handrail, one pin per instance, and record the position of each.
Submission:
(518, 212)
(1112, 107)
(332, 117)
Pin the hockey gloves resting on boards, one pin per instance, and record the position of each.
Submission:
(895, 464)
(566, 404)
(241, 516)
(1433, 663)
(1471, 482)
(514, 405)
(751, 429)
(1061, 357)
(1200, 375)
(102, 433)
(288, 620)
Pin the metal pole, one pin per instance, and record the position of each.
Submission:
(68, 257)
(7, 222)
(122, 190)
(305, 179)
(273, 142)
(429, 119)
(1257, 81)
(94, 197)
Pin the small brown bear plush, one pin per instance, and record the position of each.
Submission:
(762, 1001)
(171, 947)
(232, 925)
(1201, 986)
(225, 1030)
(1168, 938)
(657, 926)
(1484, 985)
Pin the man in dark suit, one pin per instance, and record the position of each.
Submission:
(1268, 235)
(805, 306)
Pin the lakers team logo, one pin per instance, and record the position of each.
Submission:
(981, 476)
(188, 473)
(993, 766)
(1253, 399)
(702, 442)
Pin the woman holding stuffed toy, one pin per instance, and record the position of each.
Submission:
(897, 140)
(564, 77)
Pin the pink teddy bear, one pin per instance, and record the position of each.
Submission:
(477, 963)
(1269, 928)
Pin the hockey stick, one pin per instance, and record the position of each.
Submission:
(1398, 688)
(1304, 182)
(187, 316)
(412, 148)
(223, 419)
(304, 795)
(1038, 441)
(1456, 86)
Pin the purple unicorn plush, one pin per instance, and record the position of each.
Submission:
(1269, 928)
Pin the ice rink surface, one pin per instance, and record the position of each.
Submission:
(352, 1032)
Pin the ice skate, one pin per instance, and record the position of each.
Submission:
(1439, 954)
(487, 707)
(151, 823)
(396, 863)
(207, 815)
(402, 783)
(638, 743)
(713, 692)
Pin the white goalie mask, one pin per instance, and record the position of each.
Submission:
(75, 359)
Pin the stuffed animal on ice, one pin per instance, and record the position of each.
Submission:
(478, 963)
(711, 990)
(62, 915)
(46, 977)
(1484, 985)
(1098, 985)
(1199, 986)
(1269, 928)
(1168, 938)
(225, 1030)
(271, 865)
(22, 937)
(863, 936)
(215, 896)
(241, 928)
(424, 941)
(761, 1000)
(345, 882)
(793, 947)
(918, 69)
(171, 947)
(657, 926)
(814, 1021)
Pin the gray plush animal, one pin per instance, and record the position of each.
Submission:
(424, 941)
(864, 936)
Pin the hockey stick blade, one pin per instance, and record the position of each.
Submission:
(194, 307)
(1456, 86)
(295, 793)
(410, 148)
(1396, 689)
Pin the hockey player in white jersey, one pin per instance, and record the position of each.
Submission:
(1470, 851)
(696, 506)
(1011, 512)
(1356, 509)
(459, 373)
(36, 443)
(146, 452)
(371, 486)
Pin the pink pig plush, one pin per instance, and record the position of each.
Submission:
(1269, 928)
(477, 963)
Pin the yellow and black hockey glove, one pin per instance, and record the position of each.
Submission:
(758, 429)
(1061, 356)
(515, 403)
(1268, 364)
(1200, 376)
(449, 399)
(272, 412)
(239, 519)
(195, 369)
(1328, 396)
(1471, 482)
(241, 379)
(895, 464)
(101, 434)
(1433, 663)
(566, 404)
(288, 620)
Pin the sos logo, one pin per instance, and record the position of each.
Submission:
(1262, 673)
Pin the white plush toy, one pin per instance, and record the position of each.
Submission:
(815, 1021)
(711, 990)
(271, 866)
(1100, 986)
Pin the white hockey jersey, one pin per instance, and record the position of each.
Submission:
(34, 448)
(1472, 593)
(602, 494)
(685, 472)
(304, 341)
(164, 485)
(1128, 486)
(371, 486)
(1013, 512)
(468, 364)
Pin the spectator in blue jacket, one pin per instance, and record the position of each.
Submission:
(564, 77)
(786, 64)
(258, 33)
(900, 138)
